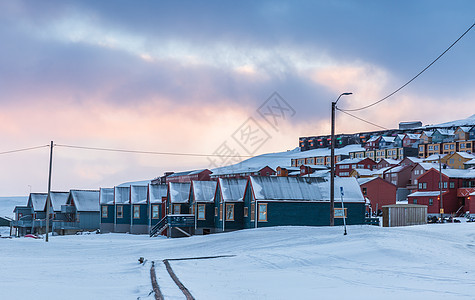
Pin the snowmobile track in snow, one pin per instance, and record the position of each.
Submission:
(177, 281)
(156, 288)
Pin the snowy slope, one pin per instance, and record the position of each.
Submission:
(7, 205)
(418, 262)
(282, 159)
(470, 121)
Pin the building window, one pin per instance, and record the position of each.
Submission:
(424, 185)
(415, 201)
(246, 212)
(452, 146)
(262, 212)
(446, 147)
(104, 211)
(462, 145)
(253, 209)
(155, 211)
(120, 211)
(444, 184)
(436, 147)
(420, 185)
(431, 201)
(365, 191)
(229, 212)
(136, 212)
(220, 212)
(451, 161)
(176, 209)
(201, 212)
(215, 211)
(452, 184)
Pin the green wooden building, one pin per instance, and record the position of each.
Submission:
(202, 205)
(297, 201)
(228, 203)
(106, 199)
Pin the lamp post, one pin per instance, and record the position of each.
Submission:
(332, 162)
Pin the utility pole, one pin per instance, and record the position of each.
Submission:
(440, 188)
(332, 163)
(48, 198)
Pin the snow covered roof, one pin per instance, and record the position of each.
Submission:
(122, 195)
(232, 190)
(459, 173)
(373, 138)
(426, 194)
(237, 170)
(428, 133)
(470, 121)
(193, 172)
(58, 199)
(396, 169)
(138, 194)
(444, 131)
(465, 128)
(362, 181)
(433, 157)
(106, 196)
(37, 201)
(179, 192)
(388, 139)
(390, 161)
(415, 159)
(413, 136)
(427, 166)
(365, 172)
(470, 162)
(349, 161)
(466, 155)
(156, 192)
(203, 191)
(85, 200)
(141, 183)
(304, 189)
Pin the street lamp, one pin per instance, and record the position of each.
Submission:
(332, 162)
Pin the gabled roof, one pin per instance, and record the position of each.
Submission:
(304, 189)
(470, 162)
(106, 196)
(390, 161)
(464, 128)
(138, 194)
(433, 157)
(444, 131)
(415, 159)
(239, 171)
(156, 192)
(37, 201)
(179, 192)
(58, 199)
(362, 181)
(427, 165)
(427, 133)
(203, 191)
(122, 195)
(459, 173)
(364, 172)
(413, 136)
(374, 138)
(466, 155)
(388, 139)
(85, 200)
(232, 190)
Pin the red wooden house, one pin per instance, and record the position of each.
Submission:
(378, 191)
(344, 167)
(457, 185)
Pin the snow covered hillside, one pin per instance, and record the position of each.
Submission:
(7, 205)
(419, 262)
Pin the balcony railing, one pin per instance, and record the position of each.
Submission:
(68, 209)
(181, 220)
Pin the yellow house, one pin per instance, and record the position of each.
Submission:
(457, 159)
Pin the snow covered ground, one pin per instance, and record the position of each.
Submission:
(433, 261)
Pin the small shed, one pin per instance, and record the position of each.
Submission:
(139, 206)
(122, 209)
(106, 199)
(404, 215)
(201, 201)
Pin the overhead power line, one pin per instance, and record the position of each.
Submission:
(150, 152)
(363, 120)
(24, 149)
(413, 78)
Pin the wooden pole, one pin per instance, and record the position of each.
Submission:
(48, 198)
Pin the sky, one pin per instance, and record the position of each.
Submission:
(194, 77)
